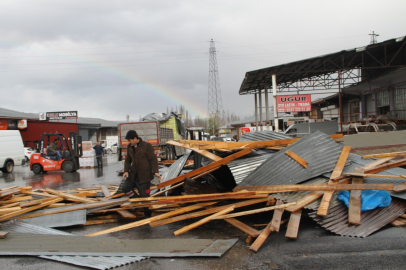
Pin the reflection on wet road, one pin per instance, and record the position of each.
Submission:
(22, 176)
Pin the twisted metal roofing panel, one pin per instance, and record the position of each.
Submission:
(337, 219)
(263, 136)
(318, 149)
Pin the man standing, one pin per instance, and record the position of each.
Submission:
(99, 153)
(141, 164)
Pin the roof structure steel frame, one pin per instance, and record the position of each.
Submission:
(330, 72)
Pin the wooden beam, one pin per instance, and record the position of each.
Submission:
(29, 209)
(206, 212)
(243, 227)
(203, 221)
(338, 169)
(277, 217)
(306, 200)
(9, 210)
(377, 162)
(3, 234)
(364, 175)
(166, 190)
(18, 199)
(297, 158)
(264, 234)
(73, 208)
(392, 154)
(386, 166)
(186, 198)
(151, 219)
(293, 225)
(256, 211)
(223, 161)
(319, 187)
(197, 150)
(69, 197)
(354, 207)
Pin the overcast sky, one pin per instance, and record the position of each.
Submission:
(110, 59)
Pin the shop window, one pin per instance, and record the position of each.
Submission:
(400, 101)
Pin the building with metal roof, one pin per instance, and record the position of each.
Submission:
(374, 73)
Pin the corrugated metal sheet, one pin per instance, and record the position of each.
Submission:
(318, 149)
(243, 166)
(98, 262)
(263, 136)
(175, 169)
(60, 220)
(30, 244)
(371, 221)
(357, 161)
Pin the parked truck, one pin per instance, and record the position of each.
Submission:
(151, 132)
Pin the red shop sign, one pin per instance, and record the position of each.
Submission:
(294, 103)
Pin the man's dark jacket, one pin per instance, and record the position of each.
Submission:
(141, 161)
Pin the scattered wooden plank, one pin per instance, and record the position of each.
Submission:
(3, 234)
(364, 175)
(126, 214)
(197, 150)
(392, 154)
(40, 194)
(188, 198)
(29, 209)
(9, 210)
(73, 207)
(319, 187)
(386, 166)
(151, 219)
(306, 200)
(399, 222)
(377, 162)
(166, 190)
(102, 221)
(338, 169)
(293, 225)
(223, 161)
(9, 192)
(69, 197)
(297, 158)
(265, 233)
(277, 218)
(84, 194)
(10, 205)
(206, 212)
(354, 207)
(203, 221)
(18, 199)
(243, 227)
(256, 211)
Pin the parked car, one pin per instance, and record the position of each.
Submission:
(11, 150)
(27, 153)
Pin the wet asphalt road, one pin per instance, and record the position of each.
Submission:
(315, 247)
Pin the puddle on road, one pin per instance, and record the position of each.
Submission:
(106, 175)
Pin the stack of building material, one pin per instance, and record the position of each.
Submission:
(88, 159)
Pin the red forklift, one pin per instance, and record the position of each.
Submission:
(67, 159)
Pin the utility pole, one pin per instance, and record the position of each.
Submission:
(373, 38)
(215, 104)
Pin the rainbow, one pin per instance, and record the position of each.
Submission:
(166, 93)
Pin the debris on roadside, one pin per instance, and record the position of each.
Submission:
(301, 177)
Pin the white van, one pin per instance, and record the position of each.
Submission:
(11, 150)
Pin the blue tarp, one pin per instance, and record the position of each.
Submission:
(370, 199)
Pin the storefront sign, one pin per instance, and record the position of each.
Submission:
(58, 115)
(22, 124)
(294, 103)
